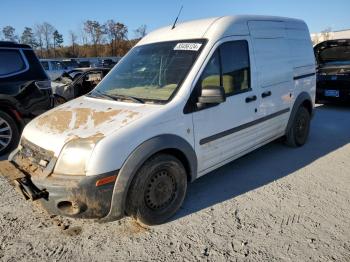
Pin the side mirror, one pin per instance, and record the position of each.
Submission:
(212, 95)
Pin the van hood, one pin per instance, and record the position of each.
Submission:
(84, 117)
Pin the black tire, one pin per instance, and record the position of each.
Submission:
(157, 191)
(299, 131)
(9, 133)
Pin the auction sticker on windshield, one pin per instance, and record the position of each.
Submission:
(188, 46)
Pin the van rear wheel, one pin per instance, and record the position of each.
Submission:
(299, 131)
(158, 190)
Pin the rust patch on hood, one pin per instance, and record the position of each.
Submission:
(59, 121)
(102, 116)
(82, 116)
(62, 120)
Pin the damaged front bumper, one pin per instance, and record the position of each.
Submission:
(73, 196)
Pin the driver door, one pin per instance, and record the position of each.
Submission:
(224, 131)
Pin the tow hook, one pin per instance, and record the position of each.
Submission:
(29, 191)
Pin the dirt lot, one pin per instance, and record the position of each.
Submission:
(274, 204)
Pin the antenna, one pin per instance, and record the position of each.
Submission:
(177, 18)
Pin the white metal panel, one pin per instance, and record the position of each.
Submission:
(272, 61)
(266, 29)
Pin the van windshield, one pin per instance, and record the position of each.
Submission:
(151, 72)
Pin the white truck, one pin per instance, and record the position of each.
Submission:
(183, 102)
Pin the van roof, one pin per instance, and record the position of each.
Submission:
(211, 28)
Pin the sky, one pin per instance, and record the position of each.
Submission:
(68, 15)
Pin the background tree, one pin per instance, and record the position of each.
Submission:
(326, 34)
(57, 41)
(141, 31)
(116, 32)
(96, 32)
(39, 35)
(47, 30)
(121, 34)
(73, 39)
(9, 33)
(28, 37)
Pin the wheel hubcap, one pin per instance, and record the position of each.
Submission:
(160, 190)
(301, 127)
(5, 134)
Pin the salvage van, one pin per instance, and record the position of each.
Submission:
(184, 101)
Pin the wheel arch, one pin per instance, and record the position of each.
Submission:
(13, 113)
(303, 99)
(169, 144)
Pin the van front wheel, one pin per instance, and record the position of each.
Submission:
(299, 131)
(158, 190)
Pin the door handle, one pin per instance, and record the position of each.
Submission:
(266, 94)
(250, 99)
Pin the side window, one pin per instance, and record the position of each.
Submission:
(11, 61)
(45, 65)
(229, 67)
(211, 75)
(235, 67)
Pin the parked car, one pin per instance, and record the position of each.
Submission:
(70, 63)
(25, 91)
(53, 68)
(84, 63)
(183, 102)
(77, 82)
(107, 63)
(333, 74)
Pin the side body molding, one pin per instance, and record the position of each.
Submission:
(302, 97)
(135, 161)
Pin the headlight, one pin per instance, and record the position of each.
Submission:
(74, 157)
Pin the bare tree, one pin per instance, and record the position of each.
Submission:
(73, 39)
(39, 34)
(48, 31)
(315, 39)
(326, 34)
(116, 32)
(9, 33)
(141, 31)
(95, 31)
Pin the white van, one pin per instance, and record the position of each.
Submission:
(181, 103)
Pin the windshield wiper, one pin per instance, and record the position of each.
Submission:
(132, 98)
(119, 97)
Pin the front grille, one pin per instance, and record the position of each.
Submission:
(33, 159)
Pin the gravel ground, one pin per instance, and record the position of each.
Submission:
(274, 204)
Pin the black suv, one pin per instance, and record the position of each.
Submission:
(333, 74)
(25, 91)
